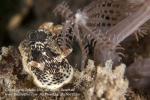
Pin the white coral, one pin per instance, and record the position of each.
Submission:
(111, 83)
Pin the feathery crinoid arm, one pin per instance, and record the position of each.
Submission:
(130, 24)
(86, 41)
(103, 14)
(95, 18)
(63, 10)
(65, 38)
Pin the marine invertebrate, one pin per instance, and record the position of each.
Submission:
(43, 59)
